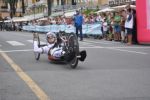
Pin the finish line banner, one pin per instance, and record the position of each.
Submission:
(143, 21)
(94, 29)
(148, 14)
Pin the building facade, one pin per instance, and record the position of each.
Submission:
(5, 8)
(121, 2)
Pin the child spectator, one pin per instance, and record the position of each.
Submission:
(129, 25)
(105, 29)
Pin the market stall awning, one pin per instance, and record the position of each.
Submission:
(105, 10)
(123, 6)
(70, 14)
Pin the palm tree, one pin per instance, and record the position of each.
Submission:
(13, 6)
(23, 7)
(49, 3)
(73, 2)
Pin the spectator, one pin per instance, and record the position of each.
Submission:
(134, 37)
(78, 21)
(117, 28)
(1, 26)
(102, 21)
(105, 29)
(123, 35)
(111, 29)
(129, 25)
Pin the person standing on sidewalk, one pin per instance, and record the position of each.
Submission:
(78, 21)
(129, 25)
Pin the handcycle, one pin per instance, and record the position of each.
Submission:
(69, 43)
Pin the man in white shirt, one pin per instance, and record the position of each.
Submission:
(129, 25)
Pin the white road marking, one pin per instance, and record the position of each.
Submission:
(25, 50)
(31, 41)
(23, 34)
(114, 48)
(128, 51)
(15, 43)
(100, 42)
(41, 42)
(26, 78)
(89, 46)
(94, 47)
(86, 43)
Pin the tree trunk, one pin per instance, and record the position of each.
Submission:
(11, 11)
(23, 7)
(49, 2)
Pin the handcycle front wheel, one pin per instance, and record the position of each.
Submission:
(73, 46)
(36, 54)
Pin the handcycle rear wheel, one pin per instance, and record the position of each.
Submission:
(73, 45)
(36, 54)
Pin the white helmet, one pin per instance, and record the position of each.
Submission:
(51, 37)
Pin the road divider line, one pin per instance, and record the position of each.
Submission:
(26, 78)
(86, 43)
(128, 51)
(92, 47)
(25, 50)
(99, 42)
(117, 49)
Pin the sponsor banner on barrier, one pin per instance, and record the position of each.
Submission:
(86, 28)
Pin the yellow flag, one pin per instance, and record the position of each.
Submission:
(33, 1)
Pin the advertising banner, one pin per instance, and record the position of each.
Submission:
(91, 29)
(148, 14)
(143, 21)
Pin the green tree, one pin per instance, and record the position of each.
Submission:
(13, 6)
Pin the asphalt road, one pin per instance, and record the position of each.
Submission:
(111, 71)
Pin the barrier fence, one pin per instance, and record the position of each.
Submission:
(88, 29)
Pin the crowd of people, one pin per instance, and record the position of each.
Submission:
(11, 26)
(116, 25)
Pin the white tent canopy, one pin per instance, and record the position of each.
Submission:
(25, 18)
(9, 20)
(69, 14)
(105, 10)
(57, 14)
(20, 19)
(123, 6)
(43, 19)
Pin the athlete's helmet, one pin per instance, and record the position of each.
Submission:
(51, 37)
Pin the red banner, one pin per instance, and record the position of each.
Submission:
(143, 21)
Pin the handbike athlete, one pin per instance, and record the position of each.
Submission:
(53, 49)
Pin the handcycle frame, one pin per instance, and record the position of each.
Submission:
(71, 47)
